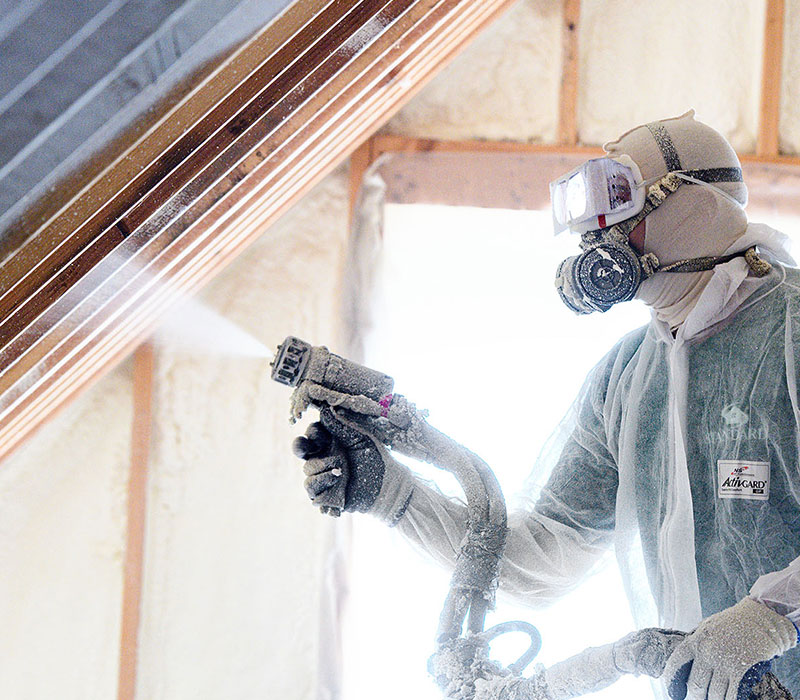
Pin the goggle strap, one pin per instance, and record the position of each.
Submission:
(716, 174)
(670, 155)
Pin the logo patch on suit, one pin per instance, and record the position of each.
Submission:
(738, 479)
(733, 415)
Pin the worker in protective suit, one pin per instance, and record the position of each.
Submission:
(682, 450)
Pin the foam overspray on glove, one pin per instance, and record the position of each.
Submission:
(345, 465)
(350, 469)
(729, 653)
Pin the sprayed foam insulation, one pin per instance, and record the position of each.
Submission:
(236, 561)
(235, 554)
(62, 536)
(637, 62)
(503, 86)
(642, 61)
(790, 93)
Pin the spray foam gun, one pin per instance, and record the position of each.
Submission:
(321, 378)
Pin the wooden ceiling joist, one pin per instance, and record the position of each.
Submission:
(206, 180)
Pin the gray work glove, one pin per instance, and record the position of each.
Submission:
(728, 653)
(348, 470)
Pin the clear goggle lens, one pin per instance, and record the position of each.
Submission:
(600, 192)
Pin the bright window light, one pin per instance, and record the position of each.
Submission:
(467, 321)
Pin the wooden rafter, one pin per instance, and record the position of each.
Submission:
(391, 143)
(771, 70)
(360, 160)
(206, 180)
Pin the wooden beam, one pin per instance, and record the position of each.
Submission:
(137, 509)
(391, 143)
(512, 175)
(360, 160)
(771, 70)
(568, 101)
(478, 179)
(206, 180)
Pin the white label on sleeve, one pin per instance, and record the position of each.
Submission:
(738, 479)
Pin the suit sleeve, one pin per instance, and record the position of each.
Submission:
(555, 540)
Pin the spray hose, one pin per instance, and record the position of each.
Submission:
(461, 664)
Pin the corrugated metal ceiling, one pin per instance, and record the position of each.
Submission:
(76, 74)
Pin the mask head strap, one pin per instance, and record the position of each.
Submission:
(666, 146)
(758, 266)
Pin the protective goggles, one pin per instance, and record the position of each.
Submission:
(597, 194)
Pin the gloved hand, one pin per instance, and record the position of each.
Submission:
(728, 653)
(346, 469)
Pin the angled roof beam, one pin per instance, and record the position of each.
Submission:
(204, 181)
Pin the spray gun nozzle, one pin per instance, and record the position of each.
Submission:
(296, 361)
(290, 361)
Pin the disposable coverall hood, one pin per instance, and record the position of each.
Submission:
(696, 220)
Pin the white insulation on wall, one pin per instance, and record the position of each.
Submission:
(645, 61)
(62, 538)
(235, 557)
(503, 86)
(235, 554)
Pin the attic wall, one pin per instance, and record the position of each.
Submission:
(62, 536)
(790, 94)
(235, 556)
(637, 62)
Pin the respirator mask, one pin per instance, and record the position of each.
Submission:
(604, 200)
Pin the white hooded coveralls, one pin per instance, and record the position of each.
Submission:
(639, 466)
